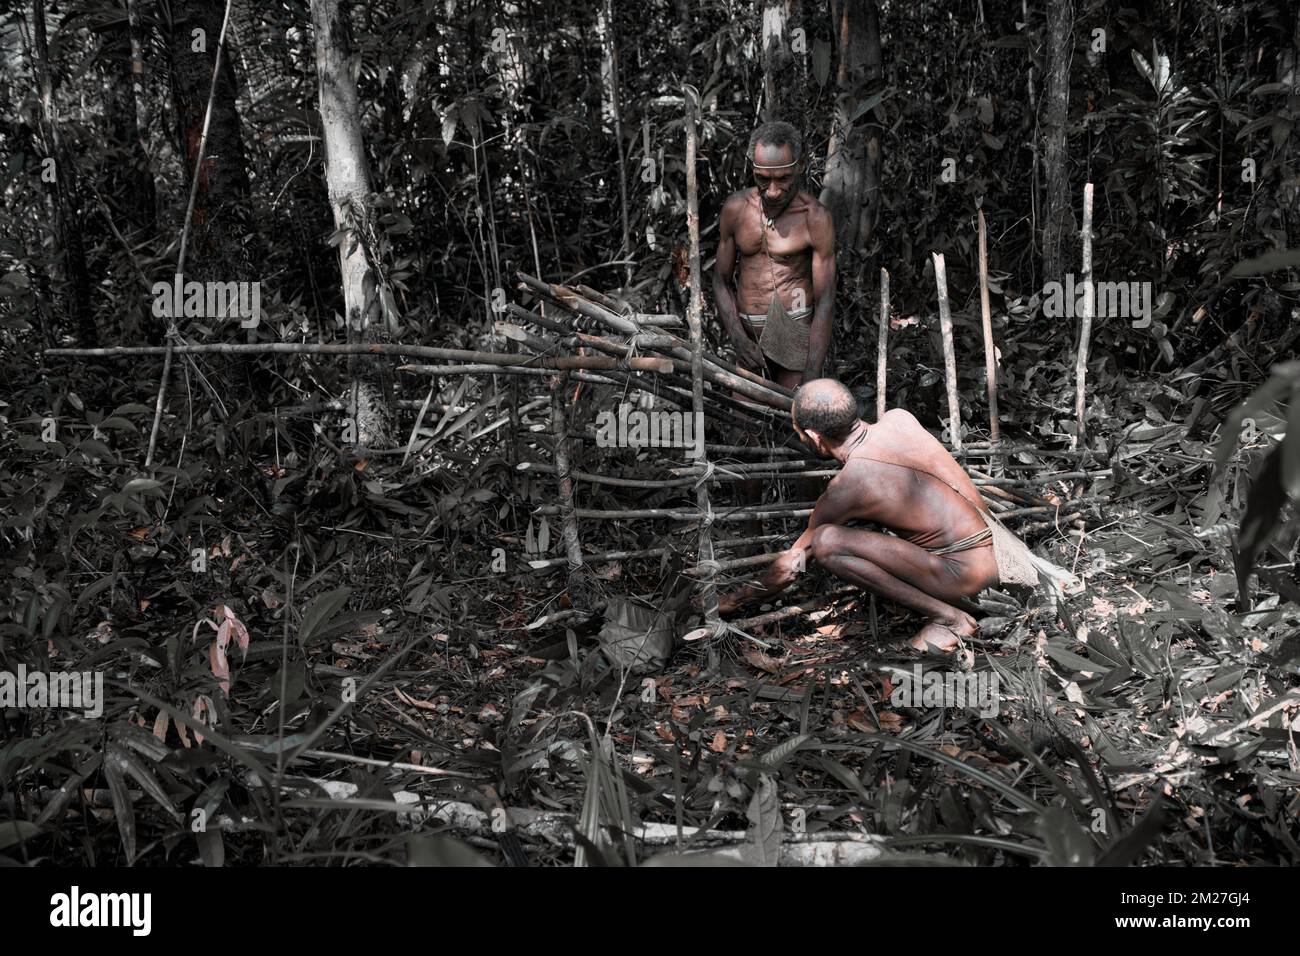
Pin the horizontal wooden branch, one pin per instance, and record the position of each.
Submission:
(500, 359)
(795, 510)
(732, 564)
(608, 557)
(805, 605)
(716, 369)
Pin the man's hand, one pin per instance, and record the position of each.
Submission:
(728, 603)
(788, 566)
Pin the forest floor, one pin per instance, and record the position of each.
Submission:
(421, 692)
(1119, 727)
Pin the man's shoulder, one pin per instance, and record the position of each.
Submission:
(813, 208)
(736, 201)
(899, 416)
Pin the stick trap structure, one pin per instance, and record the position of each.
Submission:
(587, 342)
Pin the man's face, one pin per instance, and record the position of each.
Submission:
(776, 175)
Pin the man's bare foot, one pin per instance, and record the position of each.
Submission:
(939, 638)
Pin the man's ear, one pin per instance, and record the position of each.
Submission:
(815, 435)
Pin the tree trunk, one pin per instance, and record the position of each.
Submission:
(612, 113)
(222, 219)
(851, 188)
(131, 188)
(1289, 77)
(785, 82)
(66, 199)
(1058, 215)
(131, 199)
(348, 180)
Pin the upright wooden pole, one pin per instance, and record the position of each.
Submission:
(1085, 331)
(949, 356)
(564, 477)
(695, 308)
(882, 344)
(185, 234)
(990, 353)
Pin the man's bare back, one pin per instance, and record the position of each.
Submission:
(898, 476)
(905, 501)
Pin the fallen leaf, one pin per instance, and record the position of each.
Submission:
(890, 722)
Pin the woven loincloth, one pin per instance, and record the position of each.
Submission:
(1016, 563)
(977, 540)
(784, 341)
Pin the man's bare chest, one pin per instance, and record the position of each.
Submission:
(793, 250)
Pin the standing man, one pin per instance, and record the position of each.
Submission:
(779, 311)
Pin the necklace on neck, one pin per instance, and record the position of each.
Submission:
(768, 221)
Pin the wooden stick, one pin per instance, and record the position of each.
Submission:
(708, 587)
(949, 356)
(574, 339)
(672, 380)
(501, 359)
(158, 407)
(185, 229)
(753, 467)
(560, 429)
(882, 344)
(545, 346)
(721, 475)
(1085, 330)
(795, 510)
(608, 557)
(990, 352)
(734, 564)
(611, 480)
(1064, 508)
(982, 450)
(795, 610)
(477, 369)
(762, 415)
(782, 451)
(766, 393)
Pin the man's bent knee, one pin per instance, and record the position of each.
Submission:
(827, 541)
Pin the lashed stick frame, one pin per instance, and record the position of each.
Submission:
(640, 351)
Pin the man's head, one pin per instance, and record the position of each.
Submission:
(776, 151)
(823, 414)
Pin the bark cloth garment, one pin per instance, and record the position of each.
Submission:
(792, 350)
(1016, 563)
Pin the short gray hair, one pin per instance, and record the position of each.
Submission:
(776, 133)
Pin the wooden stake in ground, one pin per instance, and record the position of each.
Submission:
(949, 357)
(882, 344)
(990, 353)
(564, 476)
(695, 307)
(185, 231)
(1085, 330)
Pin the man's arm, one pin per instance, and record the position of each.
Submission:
(821, 229)
(724, 296)
(833, 507)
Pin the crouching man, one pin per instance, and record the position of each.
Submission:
(898, 476)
